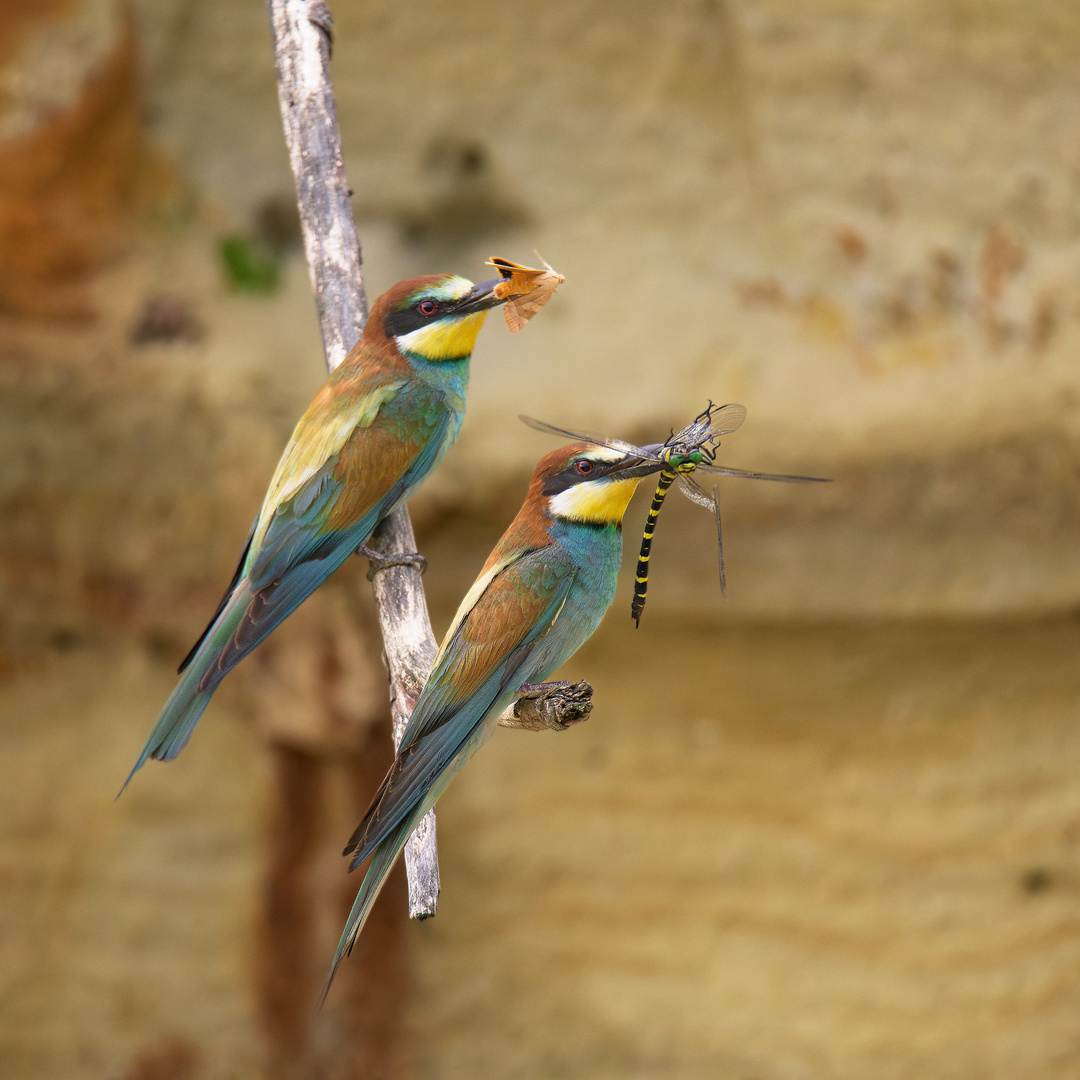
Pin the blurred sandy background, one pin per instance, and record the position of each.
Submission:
(827, 828)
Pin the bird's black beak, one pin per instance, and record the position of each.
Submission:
(636, 467)
(479, 298)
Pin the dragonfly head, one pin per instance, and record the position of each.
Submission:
(680, 459)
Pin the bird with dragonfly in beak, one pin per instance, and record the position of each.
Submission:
(538, 599)
(382, 421)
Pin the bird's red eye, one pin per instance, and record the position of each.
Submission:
(428, 307)
(584, 467)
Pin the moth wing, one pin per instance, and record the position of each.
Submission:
(514, 319)
(525, 288)
(522, 308)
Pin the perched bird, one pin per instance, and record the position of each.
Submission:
(382, 421)
(538, 599)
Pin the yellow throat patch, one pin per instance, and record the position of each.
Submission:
(448, 339)
(597, 502)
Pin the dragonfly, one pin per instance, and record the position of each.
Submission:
(689, 450)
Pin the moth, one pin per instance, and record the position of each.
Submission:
(525, 289)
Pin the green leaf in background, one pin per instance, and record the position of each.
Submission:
(249, 266)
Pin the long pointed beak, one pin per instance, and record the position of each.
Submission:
(637, 467)
(479, 298)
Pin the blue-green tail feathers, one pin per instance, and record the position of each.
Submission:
(218, 651)
(382, 862)
(243, 620)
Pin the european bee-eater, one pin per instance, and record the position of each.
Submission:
(383, 420)
(538, 599)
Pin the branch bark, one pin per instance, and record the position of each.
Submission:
(302, 36)
(302, 32)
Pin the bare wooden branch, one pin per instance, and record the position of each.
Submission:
(553, 706)
(409, 647)
(301, 32)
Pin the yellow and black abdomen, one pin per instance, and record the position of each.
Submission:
(641, 578)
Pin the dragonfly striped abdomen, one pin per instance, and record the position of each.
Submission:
(684, 464)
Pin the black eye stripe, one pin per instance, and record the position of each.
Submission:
(572, 475)
(412, 318)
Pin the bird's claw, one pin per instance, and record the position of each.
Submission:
(384, 562)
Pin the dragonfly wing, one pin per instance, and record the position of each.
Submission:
(746, 474)
(726, 419)
(695, 492)
(719, 540)
(582, 436)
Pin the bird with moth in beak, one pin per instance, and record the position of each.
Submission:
(382, 421)
(538, 599)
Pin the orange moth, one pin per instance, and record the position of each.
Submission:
(526, 289)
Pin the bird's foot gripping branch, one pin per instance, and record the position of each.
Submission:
(384, 562)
